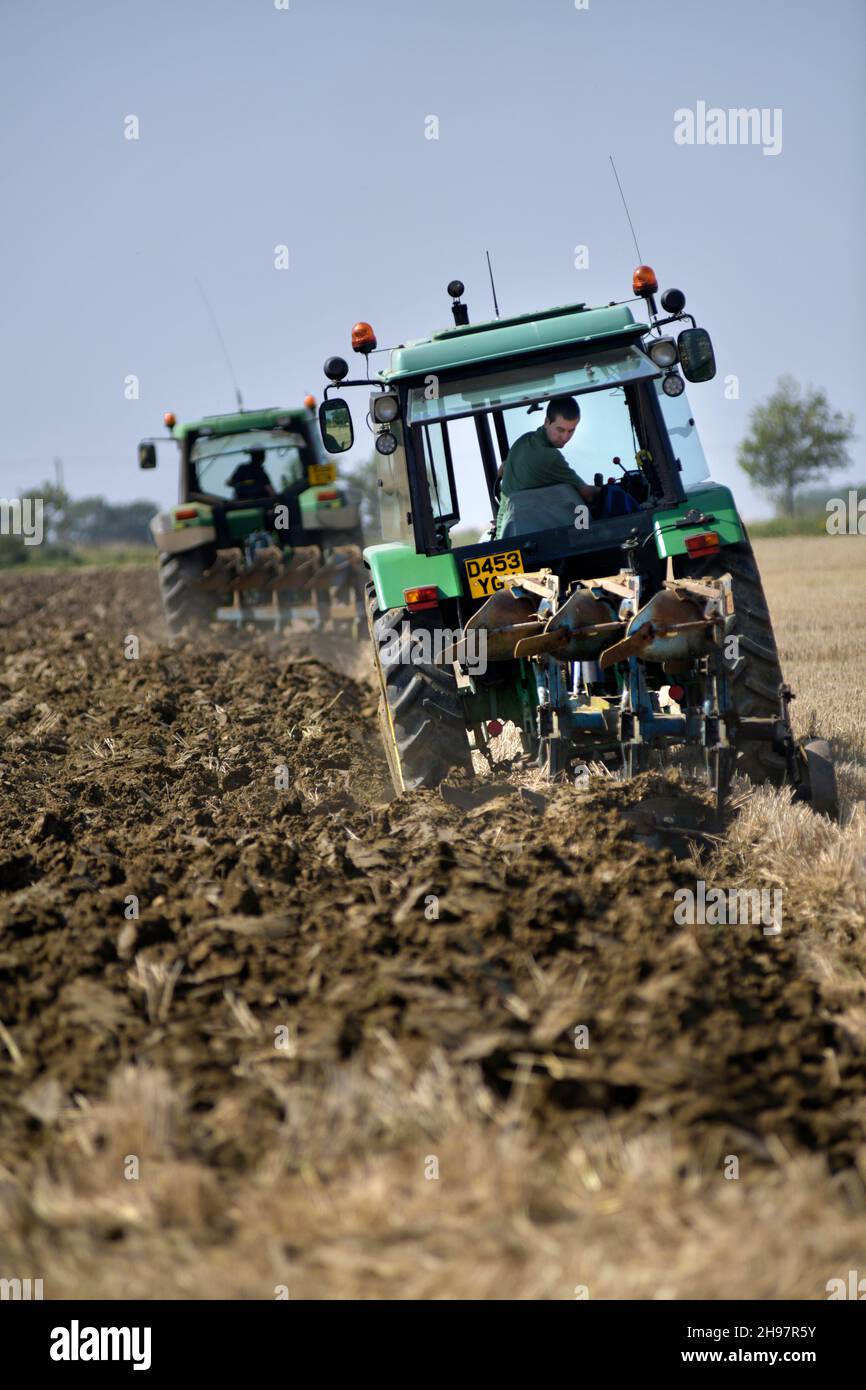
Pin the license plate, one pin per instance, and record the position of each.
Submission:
(485, 573)
(319, 473)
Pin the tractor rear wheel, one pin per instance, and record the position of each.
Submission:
(755, 674)
(420, 717)
(183, 602)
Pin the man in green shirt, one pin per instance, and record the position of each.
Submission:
(534, 460)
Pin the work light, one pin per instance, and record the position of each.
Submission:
(386, 442)
(384, 408)
(673, 385)
(663, 352)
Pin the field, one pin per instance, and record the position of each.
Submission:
(265, 1031)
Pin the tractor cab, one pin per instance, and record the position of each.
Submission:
(448, 410)
(607, 604)
(254, 464)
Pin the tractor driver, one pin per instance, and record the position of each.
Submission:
(534, 460)
(250, 479)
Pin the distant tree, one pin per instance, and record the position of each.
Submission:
(794, 437)
(94, 521)
(13, 551)
(55, 501)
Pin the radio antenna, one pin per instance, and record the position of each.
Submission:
(492, 286)
(625, 205)
(213, 319)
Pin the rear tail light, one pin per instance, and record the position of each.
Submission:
(703, 544)
(327, 495)
(425, 597)
(186, 513)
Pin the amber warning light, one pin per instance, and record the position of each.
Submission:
(363, 338)
(644, 281)
(169, 419)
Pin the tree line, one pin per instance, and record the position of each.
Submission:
(70, 523)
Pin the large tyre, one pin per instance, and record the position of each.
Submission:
(420, 718)
(755, 675)
(184, 605)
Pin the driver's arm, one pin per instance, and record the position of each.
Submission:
(557, 470)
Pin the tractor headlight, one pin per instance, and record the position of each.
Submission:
(384, 408)
(673, 385)
(386, 442)
(663, 352)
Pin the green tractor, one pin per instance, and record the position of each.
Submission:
(602, 623)
(263, 532)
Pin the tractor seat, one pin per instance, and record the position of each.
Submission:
(537, 509)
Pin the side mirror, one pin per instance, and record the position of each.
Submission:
(697, 358)
(147, 455)
(335, 425)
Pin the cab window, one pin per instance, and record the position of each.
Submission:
(440, 473)
(254, 464)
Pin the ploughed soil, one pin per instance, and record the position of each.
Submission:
(204, 876)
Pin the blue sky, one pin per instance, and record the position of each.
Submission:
(306, 127)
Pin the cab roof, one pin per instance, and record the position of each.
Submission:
(242, 420)
(568, 325)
